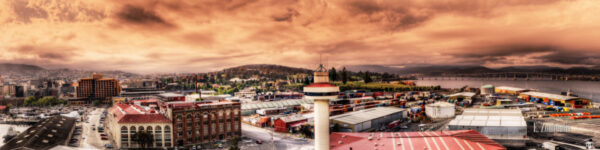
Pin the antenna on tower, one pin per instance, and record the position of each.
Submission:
(321, 67)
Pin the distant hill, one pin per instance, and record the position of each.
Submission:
(33, 71)
(263, 70)
(449, 69)
(19, 68)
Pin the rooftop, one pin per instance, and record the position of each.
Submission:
(131, 113)
(465, 94)
(170, 95)
(550, 95)
(510, 88)
(366, 115)
(450, 140)
(43, 135)
(490, 117)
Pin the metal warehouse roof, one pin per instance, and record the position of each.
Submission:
(465, 94)
(366, 115)
(274, 104)
(510, 88)
(550, 95)
(448, 140)
(490, 117)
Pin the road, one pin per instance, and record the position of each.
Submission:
(92, 137)
(281, 141)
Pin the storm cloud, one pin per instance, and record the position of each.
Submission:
(197, 36)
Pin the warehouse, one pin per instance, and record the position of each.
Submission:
(448, 140)
(250, 109)
(368, 119)
(287, 123)
(556, 99)
(460, 97)
(46, 134)
(506, 126)
(509, 90)
(440, 110)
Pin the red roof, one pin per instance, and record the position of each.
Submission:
(131, 113)
(2, 107)
(321, 85)
(433, 140)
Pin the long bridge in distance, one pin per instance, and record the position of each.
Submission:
(512, 76)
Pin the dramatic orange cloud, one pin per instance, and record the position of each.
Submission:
(147, 36)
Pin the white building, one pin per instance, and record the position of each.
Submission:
(124, 120)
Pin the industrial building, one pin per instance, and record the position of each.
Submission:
(462, 96)
(250, 109)
(556, 99)
(440, 110)
(509, 90)
(506, 126)
(487, 89)
(368, 119)
(448, 140)
(46, 134)
(284, 124)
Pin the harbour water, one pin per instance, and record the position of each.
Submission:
(585, 89)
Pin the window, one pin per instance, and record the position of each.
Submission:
(158, 129)
(188, 117)
(198, 116)
(141, 128)
(189, 125)
(189, 132)
(205, 129)
(149, 128)
(123, 129)
(167, 129)
(179, 125)
(179, 117)
(132, 129)
(179, 133)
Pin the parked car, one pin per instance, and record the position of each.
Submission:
(258, 142)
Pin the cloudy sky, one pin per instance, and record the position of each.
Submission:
(147, 36)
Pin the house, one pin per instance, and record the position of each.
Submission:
(284, 124)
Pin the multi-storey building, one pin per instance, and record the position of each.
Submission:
(97, 88)
(203, 122)
(124, 120)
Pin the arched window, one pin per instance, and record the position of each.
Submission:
(132, 129)
(158, 128)
(167, 129)
(141, 128)
(197, 115)
(123, 129)
(149, 128)
(179, 117)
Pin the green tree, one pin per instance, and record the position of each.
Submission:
(333, 74)
(344, 75)
(143, 138)
(234, 143)
(31, 100)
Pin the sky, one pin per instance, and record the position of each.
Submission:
(160, 36)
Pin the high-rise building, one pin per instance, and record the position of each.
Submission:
(204, 122)
(97, 88)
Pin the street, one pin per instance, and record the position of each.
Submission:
(281, 141)
(92, 137)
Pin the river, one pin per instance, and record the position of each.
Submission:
(585, 89)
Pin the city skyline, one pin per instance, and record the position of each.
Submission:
(202, 36)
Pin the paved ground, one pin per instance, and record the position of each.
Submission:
(92, 137)
(281, 141)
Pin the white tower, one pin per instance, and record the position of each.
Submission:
(321, 92)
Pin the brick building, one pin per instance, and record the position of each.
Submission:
(197, 123)
(97, 88)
